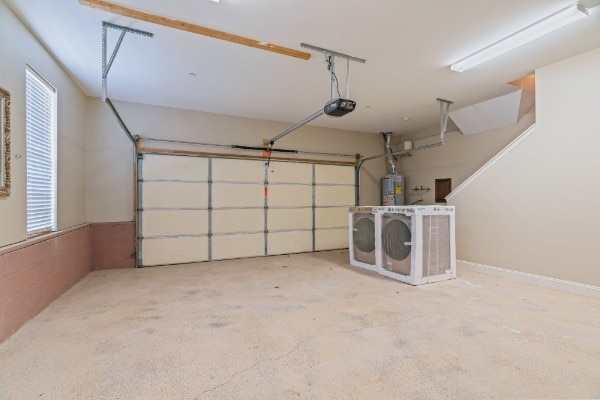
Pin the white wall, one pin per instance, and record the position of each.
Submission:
(109, 152)
(18, 48)
(458, 158)
(536, 209)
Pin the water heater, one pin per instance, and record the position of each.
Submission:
(393, 190)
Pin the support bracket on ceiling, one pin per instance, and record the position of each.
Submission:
(107, 64)
(444, 112)
(333, 53)
(330, 56)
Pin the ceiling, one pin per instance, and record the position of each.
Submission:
(408, 46)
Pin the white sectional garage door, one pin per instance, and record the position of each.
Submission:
(193, 209)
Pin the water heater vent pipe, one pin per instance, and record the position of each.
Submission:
(388, 150)
(444, 111)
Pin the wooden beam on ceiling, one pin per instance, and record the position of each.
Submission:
(189, 27)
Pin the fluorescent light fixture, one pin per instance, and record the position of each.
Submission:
(538, 29)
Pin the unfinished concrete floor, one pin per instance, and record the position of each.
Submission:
(303, 327)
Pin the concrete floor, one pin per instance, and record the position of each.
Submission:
(303, 327)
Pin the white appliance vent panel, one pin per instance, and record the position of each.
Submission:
(436, 245)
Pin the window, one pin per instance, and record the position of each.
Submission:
(40, 125)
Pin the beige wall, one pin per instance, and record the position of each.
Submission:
(536, 209)
(458, 158)
(109, 167)
(18, 48)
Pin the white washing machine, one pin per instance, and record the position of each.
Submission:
(362, 237)
(415, 244)
(396, 243)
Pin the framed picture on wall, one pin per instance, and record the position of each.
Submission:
(4, 143)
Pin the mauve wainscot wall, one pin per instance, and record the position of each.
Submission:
(113, 245)
(36, 272)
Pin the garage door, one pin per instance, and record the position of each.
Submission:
(193, 209)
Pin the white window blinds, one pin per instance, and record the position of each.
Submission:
(40, 119)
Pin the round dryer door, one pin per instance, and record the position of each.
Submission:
(395, 239)
(364, 234)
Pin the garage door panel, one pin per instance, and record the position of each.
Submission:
(174, 195)
(290, 195)
(156, 166)
(174, 222)
(288, 172)
(300, 218)
(334, 174)
(330, 239)
(174, 250)
(225, 221)
(331, 217)
(334, 196)
(238, 170)
(238, 246)
(175, 203)
(242, 195)
(289, 242)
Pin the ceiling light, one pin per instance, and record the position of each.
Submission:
(537, 29)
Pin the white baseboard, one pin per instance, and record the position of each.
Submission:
(551, 283)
